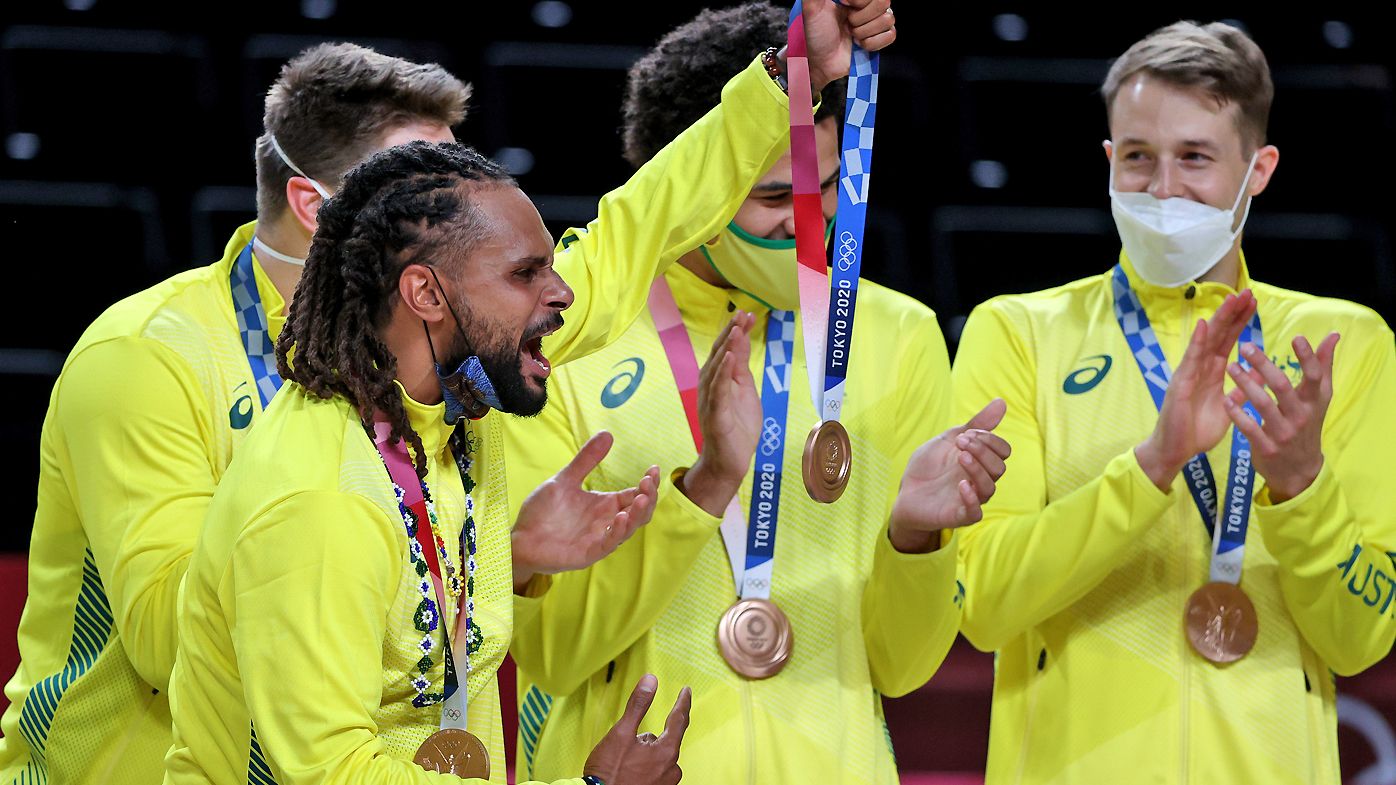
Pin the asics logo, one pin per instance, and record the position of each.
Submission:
(1083, 380)
(240, 413)
(623, 385)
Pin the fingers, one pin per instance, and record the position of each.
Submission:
(978, 444)
(677, 723)
(875, 12)
(638, 705)
(721, 338)
(860, 11)
(989, 417)
(587, 458)
(970, 510)
(876, 42)
(1192, 355)
(1326, 353)
(874, 25)
(978, 476)
(1246, 424)
(1242, 308)
(1254, 388)
(1308, 361)
(1273, 377)
(739, 344)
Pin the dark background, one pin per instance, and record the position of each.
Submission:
(128, 127)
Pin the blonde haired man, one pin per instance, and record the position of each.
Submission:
(1133, 644)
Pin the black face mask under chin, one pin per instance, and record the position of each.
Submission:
(467, 390)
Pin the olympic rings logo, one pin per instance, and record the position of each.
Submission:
(848, 247)
(770, 437)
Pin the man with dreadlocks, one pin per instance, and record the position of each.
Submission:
(149, 408)
(352, 595)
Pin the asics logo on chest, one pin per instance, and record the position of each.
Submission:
(623, 385)
(1083, 380)
(240, 414)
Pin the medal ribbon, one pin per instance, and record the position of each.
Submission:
(828, 303)
(1227, 526)
(252, 324)
(753, 574)
(402, 472)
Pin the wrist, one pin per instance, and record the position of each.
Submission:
(707, 487)
(523, 571)
(522, 577)
(905, 539)
(1156, 467)
(1286, 489)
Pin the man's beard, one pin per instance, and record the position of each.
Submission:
(503, 358)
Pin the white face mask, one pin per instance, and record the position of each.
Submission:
(267, 250)
(1173, 241)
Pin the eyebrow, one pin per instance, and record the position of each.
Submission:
(1203, 144)
(531, 261)
(776, 186)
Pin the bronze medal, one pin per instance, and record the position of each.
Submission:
(755, 638)
(454, 751)
(827, 461)
(1221, 622)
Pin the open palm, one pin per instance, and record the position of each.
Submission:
(563, 526)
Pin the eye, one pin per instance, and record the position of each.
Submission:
(526, 274)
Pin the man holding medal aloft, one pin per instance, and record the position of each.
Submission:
(1177, 565)
(788, 615)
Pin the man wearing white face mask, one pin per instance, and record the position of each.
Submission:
(1178, 562)
(867, 583)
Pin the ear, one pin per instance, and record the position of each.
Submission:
(1109, 147)
(420, 294)
(304, 201)
(1266, 160)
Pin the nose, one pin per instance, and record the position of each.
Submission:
(558, 294)
(787, 221)
(1165, 183)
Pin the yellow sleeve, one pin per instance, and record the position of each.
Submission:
(312, 580)
(911, 603)
(1027, 560)
(135, 435)
(911, 613)
(678, 200)
(1336, 541)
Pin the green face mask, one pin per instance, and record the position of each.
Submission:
(764, 269)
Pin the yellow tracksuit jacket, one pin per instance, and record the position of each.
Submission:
(867, 620)
(296, 612)
(1079, 573)
(144, 417)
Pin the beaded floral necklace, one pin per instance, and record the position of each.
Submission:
(428, 616)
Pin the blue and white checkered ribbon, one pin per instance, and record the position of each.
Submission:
(252, 323)
(1229, 539)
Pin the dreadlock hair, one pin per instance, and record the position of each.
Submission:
(409, 204)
